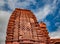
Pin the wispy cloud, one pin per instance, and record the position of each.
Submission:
(48, 8)
(55, 34)
(4, 17)
(2, 2)
(17, 4)
(43, 12)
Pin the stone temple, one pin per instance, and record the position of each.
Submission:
(23, 28)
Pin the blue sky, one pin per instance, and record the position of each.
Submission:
(47, 11)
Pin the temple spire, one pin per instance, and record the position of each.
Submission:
(23, 28)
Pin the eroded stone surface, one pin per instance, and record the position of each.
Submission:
(23, 28)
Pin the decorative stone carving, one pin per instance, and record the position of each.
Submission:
(23, 28)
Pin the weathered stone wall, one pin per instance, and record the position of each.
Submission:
(23, 28)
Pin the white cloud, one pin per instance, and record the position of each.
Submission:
(47, 9)
(55, 34)
(43, 12)
(2, 42)
(4, 16)
(14, 3)
(2, 2)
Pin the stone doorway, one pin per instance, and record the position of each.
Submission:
(57, 43)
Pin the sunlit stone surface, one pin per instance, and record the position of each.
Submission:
(23, 28)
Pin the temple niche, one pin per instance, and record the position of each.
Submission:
(23, 28)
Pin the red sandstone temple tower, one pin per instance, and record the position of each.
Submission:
(23, 28)
(45, 36)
